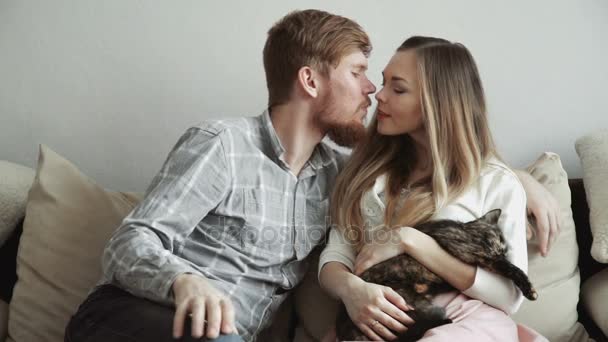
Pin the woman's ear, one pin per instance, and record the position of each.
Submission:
(308, 81)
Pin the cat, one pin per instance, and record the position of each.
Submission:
(479, 242)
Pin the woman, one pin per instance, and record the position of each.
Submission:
(429, 154)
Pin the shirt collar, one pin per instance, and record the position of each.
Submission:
(275, 142)
(321, 156)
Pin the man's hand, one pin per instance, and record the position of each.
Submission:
(545, 209)
(197, 298)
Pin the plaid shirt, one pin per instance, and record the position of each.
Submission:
(225, 206)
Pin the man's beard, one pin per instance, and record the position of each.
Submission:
(344, 133)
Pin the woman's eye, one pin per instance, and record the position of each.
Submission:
(355, 74)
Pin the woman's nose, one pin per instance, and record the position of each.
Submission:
(380, 95)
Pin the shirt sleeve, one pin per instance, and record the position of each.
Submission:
(339, 249)
(140, 256)
(505, 192)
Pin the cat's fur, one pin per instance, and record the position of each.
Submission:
(479, 242)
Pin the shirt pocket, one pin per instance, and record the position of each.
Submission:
(314, 232)
(267, 235)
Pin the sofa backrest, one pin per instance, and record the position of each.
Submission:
(580, 212)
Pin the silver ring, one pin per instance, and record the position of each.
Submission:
(374, 323)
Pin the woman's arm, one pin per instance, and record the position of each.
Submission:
(475, 282)
(337, 280)
(504, 191)
(335, 265)
(501, 190)
(427, 251)
(339, 249)
(545, 208)
(372, 307)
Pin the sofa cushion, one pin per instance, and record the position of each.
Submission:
(556, 276)
(15, 181)
(594, 293)
(592, 149)
(68, 220)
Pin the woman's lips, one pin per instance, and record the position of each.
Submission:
(382, 115)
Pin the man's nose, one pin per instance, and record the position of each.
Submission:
(371, 87)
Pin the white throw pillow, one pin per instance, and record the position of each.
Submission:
(15, 181)
(592, 149)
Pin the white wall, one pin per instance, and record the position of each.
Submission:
(112, 84)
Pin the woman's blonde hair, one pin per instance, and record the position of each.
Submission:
(459, 139)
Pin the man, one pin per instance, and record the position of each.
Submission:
(225, 227)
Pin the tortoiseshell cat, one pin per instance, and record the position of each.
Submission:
(479, 242)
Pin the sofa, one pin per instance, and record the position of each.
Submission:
(55, 221)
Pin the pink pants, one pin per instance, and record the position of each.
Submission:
(474, 320)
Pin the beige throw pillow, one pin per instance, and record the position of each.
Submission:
(68, 220)
(556, 277)
(592, 149)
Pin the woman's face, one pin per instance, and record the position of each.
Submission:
(399, 109)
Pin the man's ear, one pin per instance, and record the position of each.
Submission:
(308, 81)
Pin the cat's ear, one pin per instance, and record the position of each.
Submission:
(491, 216)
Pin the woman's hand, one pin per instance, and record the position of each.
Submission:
(383, 249)
(545, 209)
(375, 309)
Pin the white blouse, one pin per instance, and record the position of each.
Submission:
(496, 188)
